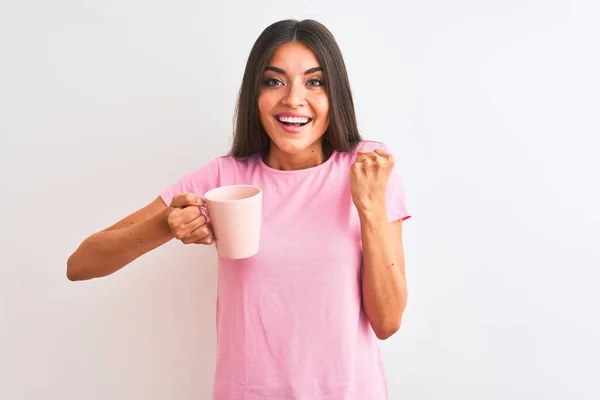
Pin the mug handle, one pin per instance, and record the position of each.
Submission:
(204, 212)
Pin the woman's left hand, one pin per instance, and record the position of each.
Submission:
(369, 177)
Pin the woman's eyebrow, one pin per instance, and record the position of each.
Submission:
(282, 72)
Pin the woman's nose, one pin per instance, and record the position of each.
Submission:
(295, 96)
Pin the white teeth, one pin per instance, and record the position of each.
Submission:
(294, 120)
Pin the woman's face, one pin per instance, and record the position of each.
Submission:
(292, 102)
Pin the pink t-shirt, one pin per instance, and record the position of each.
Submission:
(290, 321)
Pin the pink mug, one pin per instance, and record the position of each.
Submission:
(235, 213)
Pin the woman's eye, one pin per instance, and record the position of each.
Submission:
(272, 82)
(315, 82)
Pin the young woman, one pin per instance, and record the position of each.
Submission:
(301, 319)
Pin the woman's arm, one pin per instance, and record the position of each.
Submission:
(111, 249)
(384, 290)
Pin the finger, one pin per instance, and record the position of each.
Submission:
(382, 153)
(210, 239)
(361, 156)
(187, 199)
(370, 154)
(182, 228)
(195, 224)
(388, 159)
(190, 214)
(180, 217)
(201, 233)
(366, 155)
(357, 168)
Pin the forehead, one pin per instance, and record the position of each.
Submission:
(294, 57)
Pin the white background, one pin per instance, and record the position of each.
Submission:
(491, 108)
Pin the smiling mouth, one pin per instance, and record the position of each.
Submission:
(295, 122)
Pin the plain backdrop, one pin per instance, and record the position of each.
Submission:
(491, 108)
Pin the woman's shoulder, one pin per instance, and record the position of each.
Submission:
(229, 164)
(231, 161)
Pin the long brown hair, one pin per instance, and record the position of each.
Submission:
(342, 134)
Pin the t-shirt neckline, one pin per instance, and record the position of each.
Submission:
(297, 171)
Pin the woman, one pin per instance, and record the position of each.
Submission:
(300, 320)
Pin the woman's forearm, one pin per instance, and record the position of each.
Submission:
(107, 251)
(383, 282)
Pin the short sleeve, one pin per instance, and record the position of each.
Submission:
(197, 182)
(395, 199)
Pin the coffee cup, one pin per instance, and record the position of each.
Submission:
(235, 213)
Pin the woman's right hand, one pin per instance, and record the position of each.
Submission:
(188, 221)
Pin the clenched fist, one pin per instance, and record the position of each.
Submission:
(369, 176)
(187, 219)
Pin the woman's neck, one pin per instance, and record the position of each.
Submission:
(311, 157)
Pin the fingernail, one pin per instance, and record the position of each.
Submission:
(360, 153)
(199, 200)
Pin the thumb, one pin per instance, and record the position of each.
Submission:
(186, 200)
